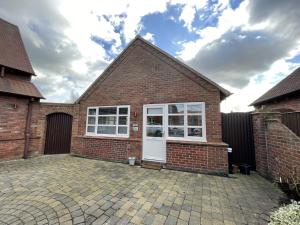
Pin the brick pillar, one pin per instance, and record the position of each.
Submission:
(260, 140)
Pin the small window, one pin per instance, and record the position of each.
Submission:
(108, 121)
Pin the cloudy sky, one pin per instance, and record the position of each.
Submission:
(245, 46)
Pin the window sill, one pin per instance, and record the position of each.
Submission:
(197, 140)
(219, 144)
(108, 138)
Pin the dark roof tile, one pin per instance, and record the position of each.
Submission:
(19, 87)
(13, 53)
(287, 86)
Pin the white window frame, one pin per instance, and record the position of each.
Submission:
(185, 126)
(117, 115)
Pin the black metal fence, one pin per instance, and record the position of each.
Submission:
(292, 121)
(237, 131)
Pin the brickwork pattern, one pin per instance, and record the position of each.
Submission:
(277, 148)
(111, 149)
(197, 157)
(12, 126)
(283, 151)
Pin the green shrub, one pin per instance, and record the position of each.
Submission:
(286, 215)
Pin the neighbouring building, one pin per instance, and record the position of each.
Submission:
(285, 96)
(146, 104)
(18, 96)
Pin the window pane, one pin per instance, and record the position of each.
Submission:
(91, 129)
(107, 110)
(107, 120)
(154, 111)
(194, 120)
(195, 132)
(92, 111)
(123, 111)
(123, 120)
(154, 120)
(91, 120)
(106, 130)
(176, 120)
(176, 108)
(154, 131)
(122, 130)
(176, 132)
(195, 108)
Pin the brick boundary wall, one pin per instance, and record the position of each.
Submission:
(277, 147)
(39, 123)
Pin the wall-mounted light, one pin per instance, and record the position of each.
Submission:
(135, 114)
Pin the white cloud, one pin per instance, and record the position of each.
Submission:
(228, 20)
(189, 10)
(149, 37)
(188, 15)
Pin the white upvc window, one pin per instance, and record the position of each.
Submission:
(186, 121)
(110, 121)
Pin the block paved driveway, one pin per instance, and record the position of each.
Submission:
(63, 189)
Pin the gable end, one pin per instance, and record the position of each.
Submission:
(163, 56)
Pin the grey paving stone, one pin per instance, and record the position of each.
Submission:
(67, 190)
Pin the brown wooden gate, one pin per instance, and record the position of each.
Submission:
(237, 132)
(58, 133)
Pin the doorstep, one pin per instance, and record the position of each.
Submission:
(152, 165)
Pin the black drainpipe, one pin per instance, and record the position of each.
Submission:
(27, 128)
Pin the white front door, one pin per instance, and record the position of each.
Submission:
(154, 142)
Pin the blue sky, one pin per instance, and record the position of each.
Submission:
(245, 46)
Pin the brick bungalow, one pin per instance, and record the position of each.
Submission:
(17, 94)
(146, 104)
(149, 105)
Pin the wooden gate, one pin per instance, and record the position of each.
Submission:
(58, 133)
(237, 131)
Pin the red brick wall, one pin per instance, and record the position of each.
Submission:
(143, 77)
(207, 158)
(283, 151)
(111, 149)
(39, 122)
(277, 148)
(12, 126)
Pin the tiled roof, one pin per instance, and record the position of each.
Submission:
(19, 87)
(287, 86)
(12, 50)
